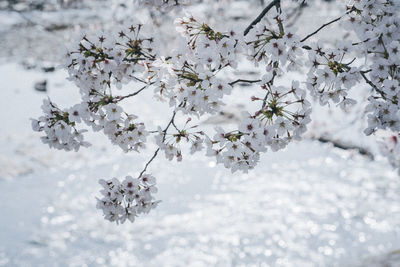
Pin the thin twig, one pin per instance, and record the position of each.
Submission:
(270, 83)
(262, 14)
(371, 83)
(361, 42)
(163, 139)
(148, 163)
(135, 93)
(176, 127)
(323, 26)
(138, 79)
(264, 103)
(243, 81)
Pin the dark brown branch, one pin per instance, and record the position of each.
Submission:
(345, 146)
(176, 127)
(243, 81)
(137, 79)
(133, 94)
(262, 14)
(366, 40)
(368, 81)
(320, 28)
(148, 163)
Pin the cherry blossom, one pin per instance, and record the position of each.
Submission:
(194, 80)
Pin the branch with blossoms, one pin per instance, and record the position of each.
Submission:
(192, 80)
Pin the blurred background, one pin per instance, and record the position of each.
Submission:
(329, 200)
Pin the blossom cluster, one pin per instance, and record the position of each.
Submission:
(101, 61)
(189, 77)
(377, 26)
(274, 45)
(283, 116)
(330, 78)
(171, 143)
(127, 199)
(59, 127)
(99, 66)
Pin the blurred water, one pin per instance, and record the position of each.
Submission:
(310, 205)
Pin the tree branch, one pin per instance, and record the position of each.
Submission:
(270, 83)
(371, 83)
(163, 139)
(262, 14)
(243, 81)
(361, 42)
(323, 26)
(148, 163)
(346, 146)
(133, 94)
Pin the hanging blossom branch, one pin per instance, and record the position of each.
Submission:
(192, 80)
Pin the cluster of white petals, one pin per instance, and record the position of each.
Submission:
(283, 116)
(377, 24)
(127, 199)
(101, 65)
(189, 77)
(59, 128)
(274, 45)
(330, 77)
